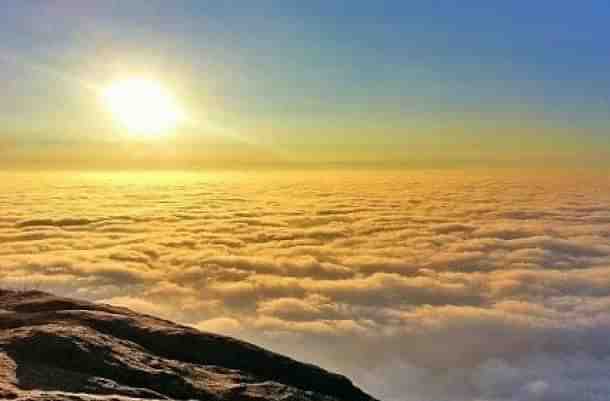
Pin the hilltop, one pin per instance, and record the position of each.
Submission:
(54, 348)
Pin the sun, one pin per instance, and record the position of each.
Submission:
(144, 107)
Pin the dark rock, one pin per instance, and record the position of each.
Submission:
(59, 349)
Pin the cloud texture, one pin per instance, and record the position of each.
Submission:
(419, 285)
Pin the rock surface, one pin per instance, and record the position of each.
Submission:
(60, 349)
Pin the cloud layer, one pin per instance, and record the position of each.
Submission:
(419, 285)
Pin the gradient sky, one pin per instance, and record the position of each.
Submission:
(286, 82)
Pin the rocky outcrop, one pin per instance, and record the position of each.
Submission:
(60, 349)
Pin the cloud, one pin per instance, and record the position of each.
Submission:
(420, 286)
(64, 222)
(220, 325)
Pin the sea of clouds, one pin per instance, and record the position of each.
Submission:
(421, 286)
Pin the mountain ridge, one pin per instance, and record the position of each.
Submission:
(54, 348)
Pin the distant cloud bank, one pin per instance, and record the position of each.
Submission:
(420, 286)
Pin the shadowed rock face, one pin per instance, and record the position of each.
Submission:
(60, 349)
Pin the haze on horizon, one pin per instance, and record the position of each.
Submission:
(413, 194)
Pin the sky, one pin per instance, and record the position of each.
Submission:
(286, 83)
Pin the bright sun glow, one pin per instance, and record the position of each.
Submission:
(143, 106)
